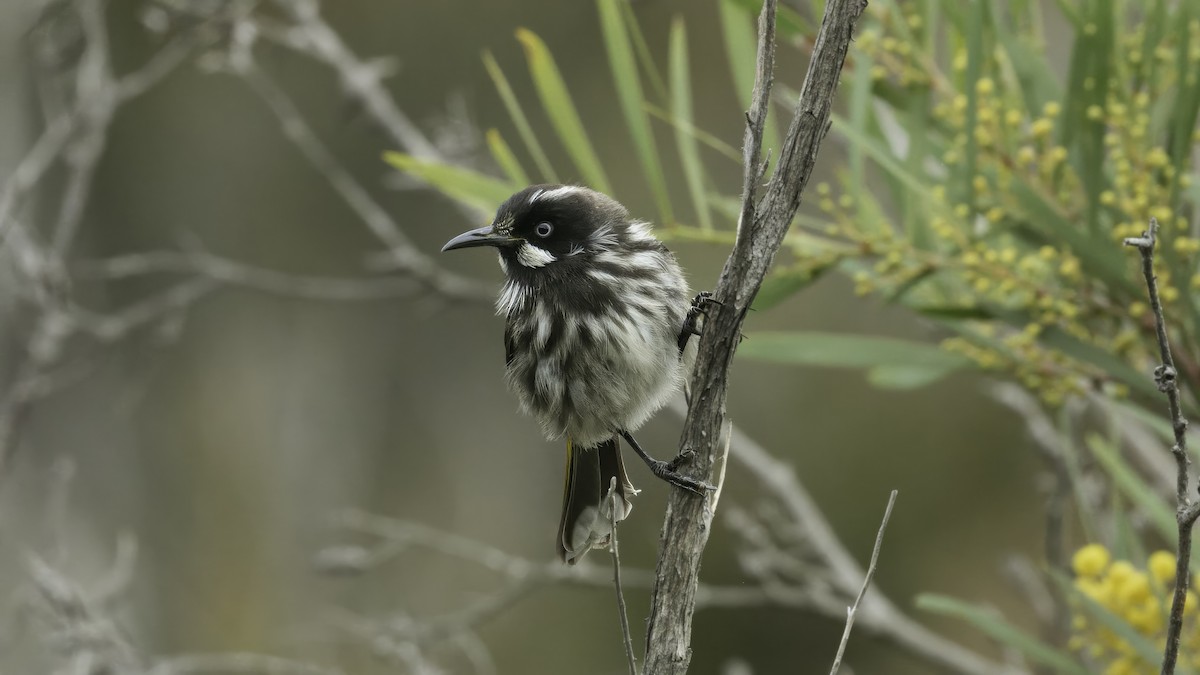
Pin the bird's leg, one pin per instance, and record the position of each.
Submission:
(691, 322)
(666, 470)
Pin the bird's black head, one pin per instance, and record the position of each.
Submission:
(544, 225)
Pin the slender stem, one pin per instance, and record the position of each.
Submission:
(853, 609)
(1166, 377)
(616, 557)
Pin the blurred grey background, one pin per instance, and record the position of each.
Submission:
(224, 441)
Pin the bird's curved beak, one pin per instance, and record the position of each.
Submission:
(483, 236)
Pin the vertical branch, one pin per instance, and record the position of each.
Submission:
(1166, 377)
(760, 233)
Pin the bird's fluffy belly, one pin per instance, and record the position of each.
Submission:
(600, 373)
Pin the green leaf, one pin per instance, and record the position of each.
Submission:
(1029, 64)
(860, 111)
(898, 362)
(505, 158)
(469, 187)
(556, 100)
(882, 155)
(1103, 359)
(954, 312)
(1091, 59)
(643, 52)
(1099, 256)
(519, 119)
(789, 23)
(1133, 487)
(906, 377)
(703, 137)
(741, 48)
(975, 47)
(681, 109)
(995, 627)
(629, 92)
(784, 284)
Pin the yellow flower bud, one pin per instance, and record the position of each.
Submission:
(1091, 560)
(1162, 566)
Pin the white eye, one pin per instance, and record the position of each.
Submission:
(543, 230)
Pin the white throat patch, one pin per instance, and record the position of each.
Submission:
(533, 257)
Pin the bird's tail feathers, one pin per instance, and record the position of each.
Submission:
(587, 512)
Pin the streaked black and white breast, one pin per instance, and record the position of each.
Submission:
(593, 305)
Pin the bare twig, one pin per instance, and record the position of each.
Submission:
(197, 262)
(760, 233)
(877, 613)
(853, 609)
(1186, 512)
(406, 256)
(243, 663)
(627, 638)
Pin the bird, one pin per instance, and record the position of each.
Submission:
(597, 325)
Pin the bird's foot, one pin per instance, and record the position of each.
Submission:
(664, 471)
(682, 459)
(691, 322)
(668, 471)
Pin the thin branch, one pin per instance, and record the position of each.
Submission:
(244, 663)
(760, 234)
(362, 80)
(627, 638)
(878, 614)
(198, 262)
(1186, 512)
(408, 258)
(853, 609)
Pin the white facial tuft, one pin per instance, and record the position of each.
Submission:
(533, 257)
(639, 230)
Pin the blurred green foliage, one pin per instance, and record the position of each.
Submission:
(983, 189)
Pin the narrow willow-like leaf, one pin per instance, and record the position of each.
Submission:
(840, 350)
(881, 155)
(681, 108)
(789, 24)
(629, 92)
(1133, 487)
(505, 158)
(519, 119)
(703, 137)
(974, 72)
(469, 187)
(556, 100)
(643, 52)
(1097, 254)
(741, 48)
(860, 110)
(1103, 359)
(1030, 66)
(1003, 632)
(785, 283)
(1070, 13)
(905, 377)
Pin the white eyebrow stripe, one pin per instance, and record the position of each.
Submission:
(559, 192)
